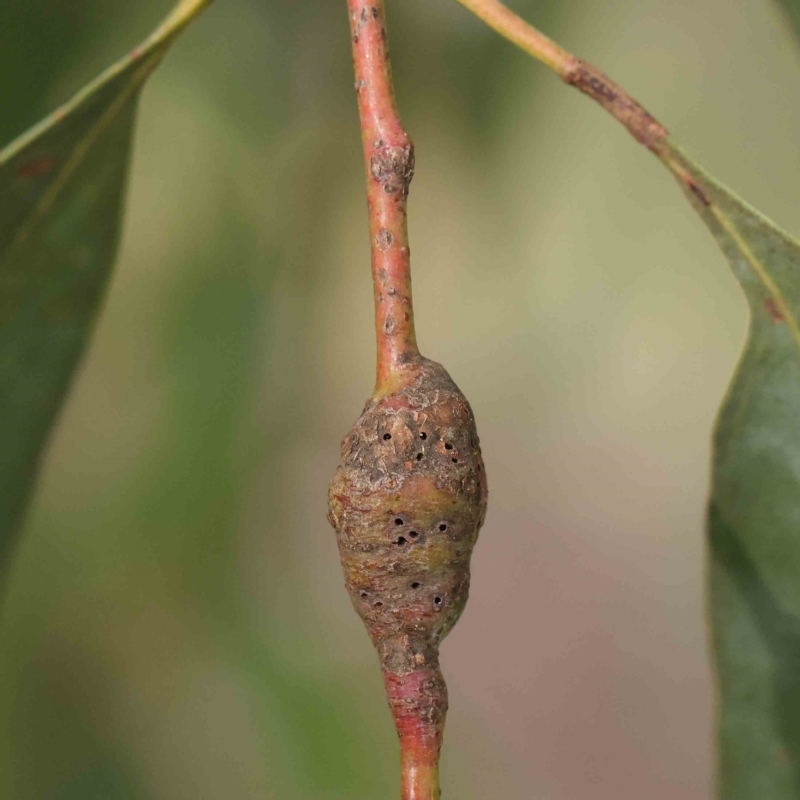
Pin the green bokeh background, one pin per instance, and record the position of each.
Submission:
(176, 626)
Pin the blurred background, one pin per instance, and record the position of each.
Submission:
(177, 628)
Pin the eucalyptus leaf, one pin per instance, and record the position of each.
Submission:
(754, 508)
(62, 190)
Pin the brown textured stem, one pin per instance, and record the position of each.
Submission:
(572, 70)
(389, 161)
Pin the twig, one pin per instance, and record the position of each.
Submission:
(389, 161)
(418, 698)
(572, 70)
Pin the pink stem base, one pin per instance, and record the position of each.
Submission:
(419, 705)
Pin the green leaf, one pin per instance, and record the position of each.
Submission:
(62, 190)
(754, 508)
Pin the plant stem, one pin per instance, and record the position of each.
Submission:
(389, 162)
(591, 81)
(572, 70)
(418, 701)
(417, 698)
(515, 29)
(180, 16)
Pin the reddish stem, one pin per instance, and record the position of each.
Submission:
(418, 699)
(419, 703)
(389, 161)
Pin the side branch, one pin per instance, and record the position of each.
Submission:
(389, 163)
(573, 71)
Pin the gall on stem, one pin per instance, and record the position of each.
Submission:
(409, 495)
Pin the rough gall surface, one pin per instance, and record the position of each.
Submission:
(407, 502)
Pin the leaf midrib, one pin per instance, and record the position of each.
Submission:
(760, 270)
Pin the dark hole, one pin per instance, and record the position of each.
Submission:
(458, 553)
(379, 604)
(443, 527)
(423, 436)
(479, 467)
(437, 600)
(398, 521)
(413, 534)
(454, 460)
(448, 446)
(401, 540)
(419, 456)
(387, 436)
(364, 594)
(415, 585)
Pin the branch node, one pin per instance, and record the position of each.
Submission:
(393, 167)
